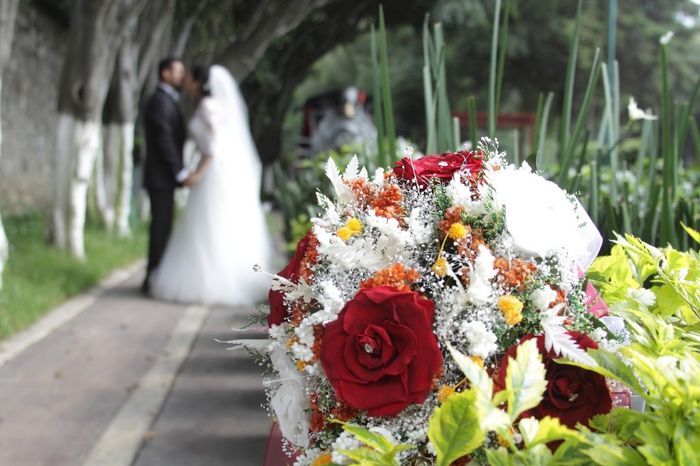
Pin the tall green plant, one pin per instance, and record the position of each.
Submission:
(383, 105)
(442, 129)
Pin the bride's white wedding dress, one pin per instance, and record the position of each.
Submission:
(221, 234)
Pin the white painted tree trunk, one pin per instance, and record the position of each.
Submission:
(103, 177)
(126, 179)
(4, 245)
(78, 146)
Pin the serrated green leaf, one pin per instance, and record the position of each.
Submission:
(499, 457)
(493, 418)
(687, 452)
(371, 439)
(610, 365)
(624, 422)
(365, 457)
(692, 233)
(548, 429)
(455, 427)
(609, 454)
(525, 379)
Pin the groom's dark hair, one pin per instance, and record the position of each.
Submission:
(166, 64)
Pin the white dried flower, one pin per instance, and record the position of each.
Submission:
(542, 298)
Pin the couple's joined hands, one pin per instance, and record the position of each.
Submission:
(193, 179)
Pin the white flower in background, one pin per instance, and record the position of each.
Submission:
(543, 297)
(482, 341)
(461, 195)
(289, 400)
(645, 297)
(479, 290)
(542, 219)
(635, 113)
(666, 38)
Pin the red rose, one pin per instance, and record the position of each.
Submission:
(278, 311)
(381, 355)
(441, 167)
(573, 394)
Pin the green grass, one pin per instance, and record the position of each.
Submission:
(38, 277)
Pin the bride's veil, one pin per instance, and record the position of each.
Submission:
(234, 120)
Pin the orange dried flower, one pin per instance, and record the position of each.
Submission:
(452, 215)
(468, 247)
(309, 260)
(388, 203)
(445, 392)
(396, 276)
(343, 412)
(514, 274)
(323, 459)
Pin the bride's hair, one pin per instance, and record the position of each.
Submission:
(200, 74)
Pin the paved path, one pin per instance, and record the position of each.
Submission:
(132, 381)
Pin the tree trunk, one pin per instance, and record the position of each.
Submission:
(4, 244)
(98, 28)
(245, 52)
(8, 12)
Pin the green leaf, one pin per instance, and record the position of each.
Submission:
(610, 454)
(693, 233)
(687, 452)
(371, 439)
(548, 429)
(492, 417)
(623, 422)
(455, 427)
(610, 365)
(499, 457)
(525, 379)
(366, 457)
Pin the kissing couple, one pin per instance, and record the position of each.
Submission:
(221, 233)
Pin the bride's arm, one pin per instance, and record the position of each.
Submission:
(203, 138)
(201, 169)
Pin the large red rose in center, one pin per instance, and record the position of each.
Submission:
(381, 354)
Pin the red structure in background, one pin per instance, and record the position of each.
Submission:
(513, 120)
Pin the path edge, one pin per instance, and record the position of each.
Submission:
(64, 313)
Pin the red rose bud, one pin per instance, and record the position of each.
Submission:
(441, 167)
(278, 310)
(573, 394)
(381, 354)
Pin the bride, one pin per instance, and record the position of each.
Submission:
(221, 233)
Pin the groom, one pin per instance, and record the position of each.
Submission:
(164, 167)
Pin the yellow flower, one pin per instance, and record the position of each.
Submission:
(344, 233)
(323, 459)
(511, 307)
(440, 267)
(354, 225)
(457, 231)
(445, 392)
(477, 360)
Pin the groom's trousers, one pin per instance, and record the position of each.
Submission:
(162, 206)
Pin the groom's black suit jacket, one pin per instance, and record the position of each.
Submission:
(165, 139)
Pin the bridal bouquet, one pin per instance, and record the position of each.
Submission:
(458, 252)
